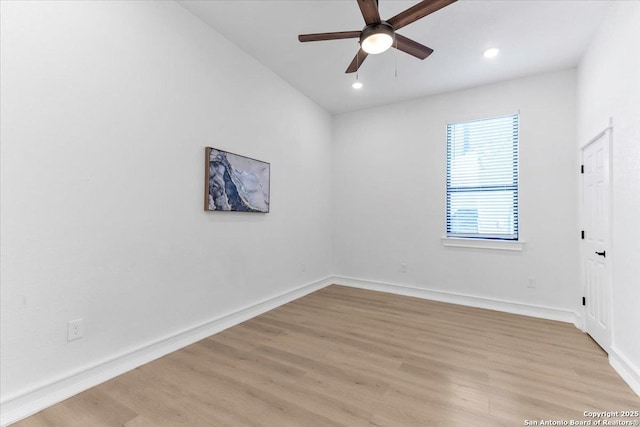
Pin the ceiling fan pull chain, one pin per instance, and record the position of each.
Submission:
(396, 57)
(358, 61)
(357, 64)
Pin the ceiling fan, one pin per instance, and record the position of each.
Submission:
(377, 36)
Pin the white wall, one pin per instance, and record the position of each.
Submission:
(609, 86)
(106, 110)
(389, 185)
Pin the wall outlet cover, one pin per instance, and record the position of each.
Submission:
(75, 329)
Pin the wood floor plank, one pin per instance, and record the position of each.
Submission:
(292, 388)
(351, 357)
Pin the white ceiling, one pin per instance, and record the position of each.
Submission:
(533, 36)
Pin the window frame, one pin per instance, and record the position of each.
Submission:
(478, 240)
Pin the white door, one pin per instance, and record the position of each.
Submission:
(596, 254)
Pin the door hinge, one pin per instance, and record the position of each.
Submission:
(581, 168)
(584, 301)
(582, 234)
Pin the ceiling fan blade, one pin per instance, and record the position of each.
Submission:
(328, 36)
(357, 61)
(369, 9)
(412, 47)
(416, 12)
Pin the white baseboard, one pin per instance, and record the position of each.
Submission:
(21, 405)
(468, 300)
(627, 370)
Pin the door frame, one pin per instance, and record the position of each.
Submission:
(605, 133)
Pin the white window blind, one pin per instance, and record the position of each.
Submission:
(482, 178)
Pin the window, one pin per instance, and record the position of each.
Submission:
(482, 178)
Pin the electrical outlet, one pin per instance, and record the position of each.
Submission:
(75, 329)
(303, 267)
(403, 267)
(532, 282)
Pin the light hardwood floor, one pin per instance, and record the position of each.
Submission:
(350, 357)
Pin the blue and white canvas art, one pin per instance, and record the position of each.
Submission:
(235, 183)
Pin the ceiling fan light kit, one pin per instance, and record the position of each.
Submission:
(378, 35)
(377, 38)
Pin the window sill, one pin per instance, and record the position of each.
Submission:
(502, 245)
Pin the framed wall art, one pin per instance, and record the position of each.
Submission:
(235, 183)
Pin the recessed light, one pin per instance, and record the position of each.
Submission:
(491, 52)
(357, 85)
